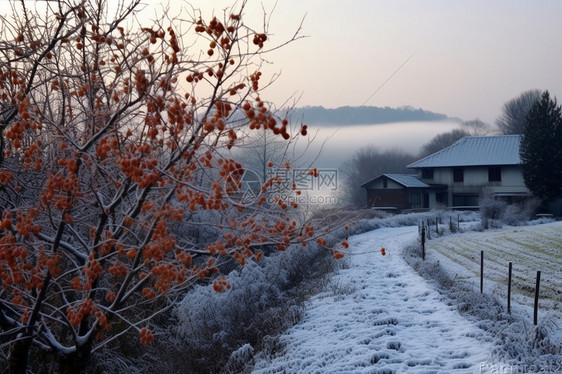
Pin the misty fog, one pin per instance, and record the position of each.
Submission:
(337, 145)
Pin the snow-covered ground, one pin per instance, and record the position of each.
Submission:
(381, 317)
(529, 248)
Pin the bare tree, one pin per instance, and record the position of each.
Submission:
(262, 151)
(114, 133)
(441, 141)
(476, 127)
(367, 163)
(514, 112)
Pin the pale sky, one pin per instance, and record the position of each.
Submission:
(464, 58)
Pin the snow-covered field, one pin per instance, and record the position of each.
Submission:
(529, 248)
(381, 317)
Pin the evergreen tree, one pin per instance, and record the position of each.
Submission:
(541, 149)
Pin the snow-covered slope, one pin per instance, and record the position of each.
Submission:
(381, 317)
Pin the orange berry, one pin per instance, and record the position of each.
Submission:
(337, 255)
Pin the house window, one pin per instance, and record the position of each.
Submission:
(427, 173)
(466, 200)
(458, 175)
(415, 199)
(441, 197)
(494, 174)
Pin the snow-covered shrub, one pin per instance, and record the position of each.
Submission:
(520, 214)
(220, 331)
(239, 359)
(210, 332)
(414, 219)
(491, 211)
(427, 269)
(496, 212)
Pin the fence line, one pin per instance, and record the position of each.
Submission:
(427, 233)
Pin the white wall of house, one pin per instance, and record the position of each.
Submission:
(476, 182)
(512, 183)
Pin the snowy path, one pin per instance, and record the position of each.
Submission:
(388, 321)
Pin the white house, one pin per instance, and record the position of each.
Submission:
(459, 175)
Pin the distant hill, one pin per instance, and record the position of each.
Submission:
(350, 115)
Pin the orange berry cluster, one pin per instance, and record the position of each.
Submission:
(118, 269)
(6, 177)
(185, 258)
(148, 293)
(265, 118)
(194, 77)
(53, 266)
(32, 156)
(259, 39)
(313, 172)
(175, 47)
(16, 88)
(6, 222)
(337, 255)
(165, 275)
(141, 82)
(110, 296)
(146, 336)
(92, 270)
(231, 171)
(255, 79)
(25, 225)
(220, 284)
(85, 310)
(153, 34)
(383, 251)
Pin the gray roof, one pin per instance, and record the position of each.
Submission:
(406, 180)
(475, 151)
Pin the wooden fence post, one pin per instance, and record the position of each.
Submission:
(509, 288)
(535, 314)
(481, 271)
(423, 241)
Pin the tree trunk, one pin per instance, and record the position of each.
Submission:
(17, 359)
(75, 362)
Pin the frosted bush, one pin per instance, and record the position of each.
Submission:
(491, 211)
(414, 219)
(265, 299)
(240, 359)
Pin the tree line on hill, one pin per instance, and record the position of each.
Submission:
(351, 115)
